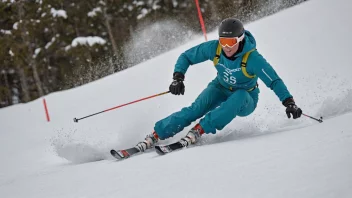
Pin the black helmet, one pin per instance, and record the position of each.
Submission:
(231, 27)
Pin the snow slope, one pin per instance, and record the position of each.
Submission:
(263, 155)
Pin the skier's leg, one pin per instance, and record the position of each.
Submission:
(209, 99)
(240, 103)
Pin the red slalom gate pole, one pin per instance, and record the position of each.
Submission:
(77, 119)
(201, 20)
(46, 110)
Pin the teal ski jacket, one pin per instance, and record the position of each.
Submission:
(229, 70)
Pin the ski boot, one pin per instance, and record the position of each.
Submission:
(192, 136)
(149, 141)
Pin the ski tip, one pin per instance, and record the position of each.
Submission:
(115, 154)
(159, 151)
(112, 152)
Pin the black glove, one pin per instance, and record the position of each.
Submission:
(177, 87)
(291, 108)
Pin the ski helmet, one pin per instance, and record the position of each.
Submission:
(231, 27)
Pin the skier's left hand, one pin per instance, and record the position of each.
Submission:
(291, 108)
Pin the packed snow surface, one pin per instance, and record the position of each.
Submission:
(262, 155)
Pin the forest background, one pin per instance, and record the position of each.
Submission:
(54, 45)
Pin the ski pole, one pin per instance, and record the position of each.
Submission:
(77, 119)
(316, 119)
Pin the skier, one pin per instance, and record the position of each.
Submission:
(234, 92)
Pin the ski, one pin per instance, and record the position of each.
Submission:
(160, 149)
(124, 154)
(164, 149)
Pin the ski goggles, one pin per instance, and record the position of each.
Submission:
(230, 41)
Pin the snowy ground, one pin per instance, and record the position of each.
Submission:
(263, 155)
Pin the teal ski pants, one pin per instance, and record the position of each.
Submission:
(219, 105)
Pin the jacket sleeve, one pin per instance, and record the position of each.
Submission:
(194, 55)
(261, 68)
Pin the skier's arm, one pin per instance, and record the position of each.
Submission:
(194, 55)
(268, 75)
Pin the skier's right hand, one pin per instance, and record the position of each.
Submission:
(291, 108)
(177, 87)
